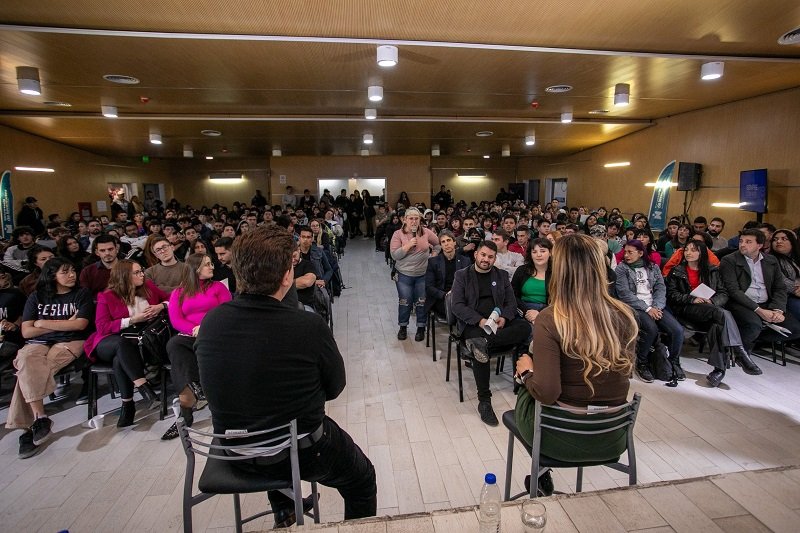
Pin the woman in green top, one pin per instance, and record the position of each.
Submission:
(530, 280)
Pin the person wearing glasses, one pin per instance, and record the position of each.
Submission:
(129, 300)
(197, 294)
(168, 272)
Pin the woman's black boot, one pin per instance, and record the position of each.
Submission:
(126, 414)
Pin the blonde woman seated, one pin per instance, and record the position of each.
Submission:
(578, 358)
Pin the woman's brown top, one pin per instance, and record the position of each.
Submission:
(559, 378)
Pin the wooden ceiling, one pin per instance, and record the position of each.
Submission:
(293, 74)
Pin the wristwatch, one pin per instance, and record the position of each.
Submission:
(524, 375)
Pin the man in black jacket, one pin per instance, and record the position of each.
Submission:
(477, 291)
(757, 295)
(263, 364)
(441, 272)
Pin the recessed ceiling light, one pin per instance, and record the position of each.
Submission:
(387, 55)
(370, 114)
(598, 111)
(790, 37)
(368, 138)
(618, 164)
(56, 103)
(622, 94)
(34, 169)
(155, 138)
(187, 151)
(566, 117)
(558, 89)
(209, 157)
(28, 81)
(486, 156)
(109, 111)
(712, 70)
(505, 151)
(276, 152)
(435, 150)
(530, 140)
(121, 79)
(211, 133)
(485, 133)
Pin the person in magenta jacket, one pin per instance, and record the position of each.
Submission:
(129, 300)
(196, 295)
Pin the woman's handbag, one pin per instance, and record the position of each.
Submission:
(152, 339)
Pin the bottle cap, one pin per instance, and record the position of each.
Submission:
(490, 479)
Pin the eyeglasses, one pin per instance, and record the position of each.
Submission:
(161, 249)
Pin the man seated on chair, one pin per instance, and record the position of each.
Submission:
(506, 259)
(477, 291)
(441, 271)
(260, 377)
(756, 294)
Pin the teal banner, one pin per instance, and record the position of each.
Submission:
(6, 205)
(660, 202)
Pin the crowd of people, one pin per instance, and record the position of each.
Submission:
(588, 295)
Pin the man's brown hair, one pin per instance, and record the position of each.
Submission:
(260, 258)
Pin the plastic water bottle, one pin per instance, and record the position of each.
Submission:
(490, 505)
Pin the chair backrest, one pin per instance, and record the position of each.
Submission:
(589, 424)
(448, 308)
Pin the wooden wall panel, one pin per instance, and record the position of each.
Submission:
(191, 184)
(755, 133)
(79, 176)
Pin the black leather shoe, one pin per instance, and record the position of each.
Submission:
(126, 414)
(402, 334)
(487, 413)
(287, 517)
(420, 335)
(148, 395)
(744, 361)
(715, 377)
(677, 372)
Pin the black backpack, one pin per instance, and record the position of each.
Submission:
(659, 362)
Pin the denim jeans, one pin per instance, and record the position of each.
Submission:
(648, 333)
(411, 291)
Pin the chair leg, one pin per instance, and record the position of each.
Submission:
(460, 379)
(92, 403)
(428, 333)
(112, 383)
(237, 513)
(501, 361)
(783, 353)
(315, 498)
(774, 354)
(579, 482)
(449, 353)
(509, 465)
(433, 338)
(163, 411)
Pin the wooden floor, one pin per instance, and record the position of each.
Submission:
(429, 450)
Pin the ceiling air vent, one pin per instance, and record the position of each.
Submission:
(57, 104)
(790, 37)
(485, 133)
(558, 89)
(119, 78)
(598, 111)
(211, 133)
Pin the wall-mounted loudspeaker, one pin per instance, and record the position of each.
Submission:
(689, 176)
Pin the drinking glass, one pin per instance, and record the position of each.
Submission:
(534, 515)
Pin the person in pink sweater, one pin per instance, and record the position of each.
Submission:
(196, 295)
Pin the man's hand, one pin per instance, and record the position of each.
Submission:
(531, 314)
(500, 322)
(655, 313)
(482, 323)
(469, 247)
(701, 301)
(320, 283)
(777, 316)
(765, 314)
(5, 325)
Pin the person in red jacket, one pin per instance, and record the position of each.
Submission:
(129, 300)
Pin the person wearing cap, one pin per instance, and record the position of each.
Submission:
(31, 215)
(17, 253)
(410, 247)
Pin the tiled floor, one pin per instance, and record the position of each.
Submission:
(430, 451)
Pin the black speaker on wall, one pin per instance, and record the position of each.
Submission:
(689, 176)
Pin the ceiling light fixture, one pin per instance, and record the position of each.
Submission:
(28, 81)
(375, 93)
(368, 138)
(486, 156)
(187, 151)
(364, 152)
(712, 70)
(226, 177)
(34, 169)
(435, 151)
(566, 117)
(370, 114)
(211, 133)
(155, 138)
(505, 151)
(109, 111)
(121, 79)
(662, 184)
(471, 176)
(530, 140)
(387, 55)
(277, 152)
(622, 94)
(727, 204)
(209, 157)
(619, 164)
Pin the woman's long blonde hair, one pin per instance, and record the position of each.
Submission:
(603, 333)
